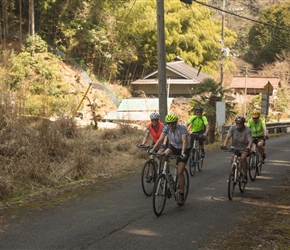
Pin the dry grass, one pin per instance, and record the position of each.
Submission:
(37, 154)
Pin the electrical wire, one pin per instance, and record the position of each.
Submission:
(243, 17)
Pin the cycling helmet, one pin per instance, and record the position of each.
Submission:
(198, 107)
(171, 118)
(255, 114)
(240, 119)
(154, 115)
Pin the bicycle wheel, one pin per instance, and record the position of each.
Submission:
(231, 186)
(148, 177)
(252, 167)
(197, 158)
(259, 164)
(242, 185)
(159, 194)
(186, 187)
(193, 167)
(200, 161)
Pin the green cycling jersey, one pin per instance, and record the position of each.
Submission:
(257, 128)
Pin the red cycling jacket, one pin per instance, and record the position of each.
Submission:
(156, 133)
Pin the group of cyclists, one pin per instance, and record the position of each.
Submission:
(172, 138)
(175, 136)
(242, 136)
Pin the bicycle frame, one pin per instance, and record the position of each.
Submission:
(167, 185)
(195, 154)
(166, 171)
(236, 167)
(236, 174)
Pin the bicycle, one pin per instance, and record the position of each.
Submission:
(236, 175)
(167, 185)
(195, 158)
(150, 171)
(256, 159)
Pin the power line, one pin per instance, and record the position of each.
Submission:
(243, 17)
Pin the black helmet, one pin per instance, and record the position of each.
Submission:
(198, 107)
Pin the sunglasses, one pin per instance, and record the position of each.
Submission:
(171, 123)
(255, 118)
(154, 120)
(238, 123)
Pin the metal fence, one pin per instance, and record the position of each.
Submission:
(272, 127)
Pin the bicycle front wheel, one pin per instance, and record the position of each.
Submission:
(231, 186)
(191, 163)
(259, 164)
(200, 161)
(186, 187)
(148, 177)
(252, 167)
(159, 194)
(242, 185)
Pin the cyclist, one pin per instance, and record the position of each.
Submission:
(259, 131)
(179, 145)
(154, 129)
(241, 136)
(199, 124)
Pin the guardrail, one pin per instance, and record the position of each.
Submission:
(272, 127)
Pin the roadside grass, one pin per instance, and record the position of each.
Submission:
(38, 155)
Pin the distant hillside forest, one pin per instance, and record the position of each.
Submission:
(117, 40)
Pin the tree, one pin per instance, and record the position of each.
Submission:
(267, 41)
(207, 93)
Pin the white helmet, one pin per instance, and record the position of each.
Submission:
(154, 115)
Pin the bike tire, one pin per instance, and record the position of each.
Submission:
(191, 169)
(197, 158)
(200, 161)
(159, 194)
(253, 167)
(186, 187)
(242, 185)
(148, 187)
(259, 164)
(231, 186)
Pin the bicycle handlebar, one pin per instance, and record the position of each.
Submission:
(166, 155)
(143, 146)
(196, 136)
(234, 150)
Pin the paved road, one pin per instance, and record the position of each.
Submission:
(118, 215)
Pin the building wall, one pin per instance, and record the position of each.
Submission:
(174, 90)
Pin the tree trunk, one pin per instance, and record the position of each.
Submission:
(5, 22)
(20, 21)
(31, 23)
(212, 127)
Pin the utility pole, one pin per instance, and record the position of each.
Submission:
(245, 97)
(161, 60)
(222, 43)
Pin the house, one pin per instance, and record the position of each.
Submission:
(181, 80)
(253, 85)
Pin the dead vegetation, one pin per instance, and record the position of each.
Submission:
(38, 154)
